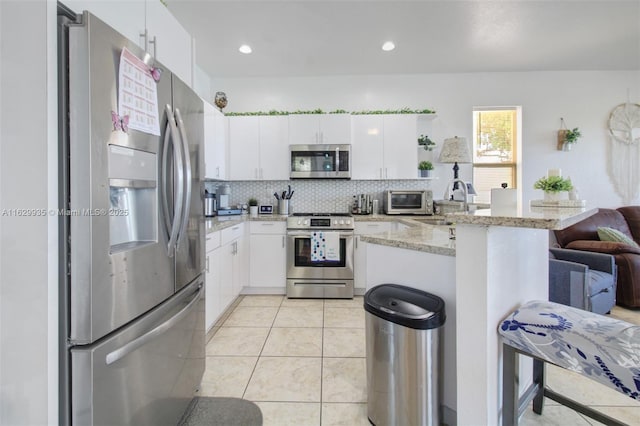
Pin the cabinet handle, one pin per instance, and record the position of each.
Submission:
(235, 228)
(283, 237)
(218, 171)
(357, 238)
(155, 45)
(381, 173)
(261, 173)
(207, 268)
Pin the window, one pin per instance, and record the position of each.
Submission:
(495, 141)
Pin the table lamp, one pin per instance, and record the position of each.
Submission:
(455, 150)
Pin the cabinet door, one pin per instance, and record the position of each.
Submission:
(304, 129)
(240, 266)
(367, 147)
(214, 143)
(213, 305)
(221, 143)
(125, 16)
(267, 260)
(359, 263)
(226, 275)
(335, 128)
(400, 150)
(244, 138)
(274, 148)
(173, 45)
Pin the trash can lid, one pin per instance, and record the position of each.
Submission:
(406, 306)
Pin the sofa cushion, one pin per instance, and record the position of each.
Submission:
(632, 216)
(588, 229)
(609, 247)
(599, 281)
(610, 234)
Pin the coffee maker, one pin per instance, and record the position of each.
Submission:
(223, 192)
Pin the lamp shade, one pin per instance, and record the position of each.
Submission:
(455, 150)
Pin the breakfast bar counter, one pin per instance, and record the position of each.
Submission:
(497, 261)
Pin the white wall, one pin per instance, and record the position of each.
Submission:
(28, 244)
(583, 98)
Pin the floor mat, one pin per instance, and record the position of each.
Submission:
(218, 411)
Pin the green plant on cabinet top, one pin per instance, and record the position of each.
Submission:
(253, 202)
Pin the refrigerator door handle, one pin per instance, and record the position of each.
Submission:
(187, 174)
(124, 350)
(179, 167)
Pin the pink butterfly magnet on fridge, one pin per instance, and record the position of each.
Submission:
(120, 123)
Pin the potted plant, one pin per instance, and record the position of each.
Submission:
(253, 207)
(553, 186)
(567, 137)
(426, 143)
(425, 168)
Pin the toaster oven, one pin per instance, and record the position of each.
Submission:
(419, 202)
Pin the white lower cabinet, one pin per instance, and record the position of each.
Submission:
(267, 255)
(213, 305)
(226, 263)
(359, 252)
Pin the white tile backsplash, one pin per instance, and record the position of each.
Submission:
(315, 195)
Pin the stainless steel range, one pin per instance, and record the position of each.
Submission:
(320, 255)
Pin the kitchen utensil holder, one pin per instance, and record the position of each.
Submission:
(283, 207)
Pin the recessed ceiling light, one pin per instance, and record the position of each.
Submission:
(388, 46)
(245, 48)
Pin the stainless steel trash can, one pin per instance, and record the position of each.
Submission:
(402, 333)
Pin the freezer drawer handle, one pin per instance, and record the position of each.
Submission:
(152, 334)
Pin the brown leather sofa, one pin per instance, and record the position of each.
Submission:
(584, 236)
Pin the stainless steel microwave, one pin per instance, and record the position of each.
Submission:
(408, 202)
(329, 161)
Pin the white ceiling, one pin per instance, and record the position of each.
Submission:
(332, 37)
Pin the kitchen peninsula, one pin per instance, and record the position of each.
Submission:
(499, 262)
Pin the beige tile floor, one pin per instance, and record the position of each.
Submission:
(303, 363)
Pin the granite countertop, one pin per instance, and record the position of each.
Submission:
(218, 223)
(552, 218)
(419, 237)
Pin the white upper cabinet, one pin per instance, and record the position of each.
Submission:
(258, 148)
(165, 37)
(244, 142)
(367, 148)
(168, 41)
(384, 146)
(126, 17)
(400, 146)
(215, 143)
(319, 128)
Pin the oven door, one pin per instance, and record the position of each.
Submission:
(300, 264)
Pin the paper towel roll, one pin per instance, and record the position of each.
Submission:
(504, 201)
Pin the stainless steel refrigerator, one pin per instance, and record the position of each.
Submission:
(132, 253)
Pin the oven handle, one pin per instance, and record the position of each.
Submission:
(307, 234)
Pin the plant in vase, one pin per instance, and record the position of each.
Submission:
(553, 186)
(425, 168)
(426, 143)
(253, 207)
(567, 137)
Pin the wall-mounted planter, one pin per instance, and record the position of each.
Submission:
(563, 145)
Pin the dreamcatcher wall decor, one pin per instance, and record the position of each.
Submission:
(624, 162)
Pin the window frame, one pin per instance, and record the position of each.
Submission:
(515, 164)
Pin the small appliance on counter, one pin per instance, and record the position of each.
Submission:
(419, 202)
(223, 192)
(362, 204)
(210, 205)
